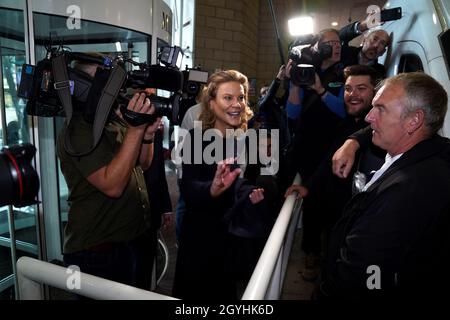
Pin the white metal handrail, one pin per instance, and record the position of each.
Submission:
(32, 273)
(265, 283)
(267, 278)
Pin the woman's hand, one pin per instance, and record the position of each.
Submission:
(256, 195)
(224, 177)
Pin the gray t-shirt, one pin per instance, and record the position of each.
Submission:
(190, 116)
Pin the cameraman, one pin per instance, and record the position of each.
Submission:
(271, 109)
(327, 88)
(317, 111)
(106, 232)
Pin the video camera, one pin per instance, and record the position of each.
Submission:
(19, 182)
(307, 59)
(194, 78)
(165, 76)
(39, 86)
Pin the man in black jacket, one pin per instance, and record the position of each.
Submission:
(393, 239)
(332, 192)
(316, 111)
(373, 46)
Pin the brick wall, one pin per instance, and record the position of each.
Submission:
(268, 56)
(226, 35)
(236, 34)
(231, 34)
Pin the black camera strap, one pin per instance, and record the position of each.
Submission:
(109, 95)
(62, 84)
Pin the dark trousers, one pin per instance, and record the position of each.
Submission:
(125, 262)
(321, 211)
(313, 224)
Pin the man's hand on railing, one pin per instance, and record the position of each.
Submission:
(302, 191)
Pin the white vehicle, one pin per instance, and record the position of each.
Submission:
(421, 42)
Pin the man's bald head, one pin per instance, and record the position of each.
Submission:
(375, 43)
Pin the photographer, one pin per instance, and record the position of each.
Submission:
(317, 109)
(328, 77)
(373, 46)
(106, 233)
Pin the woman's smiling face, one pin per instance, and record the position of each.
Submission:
(228, 105)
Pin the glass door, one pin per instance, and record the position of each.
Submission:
(50, 29)
(18, 233)
(22, 229)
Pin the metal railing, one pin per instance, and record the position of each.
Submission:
(266, 281)
(32, 273)
(268, 277)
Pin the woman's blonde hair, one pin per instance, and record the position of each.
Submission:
(207, 116)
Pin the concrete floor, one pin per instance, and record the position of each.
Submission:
(295, 287)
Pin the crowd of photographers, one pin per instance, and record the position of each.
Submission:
(362, 184)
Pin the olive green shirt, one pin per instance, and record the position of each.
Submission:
(94, 218)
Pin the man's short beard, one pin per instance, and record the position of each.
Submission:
(360, 113)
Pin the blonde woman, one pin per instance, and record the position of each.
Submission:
(211, 193)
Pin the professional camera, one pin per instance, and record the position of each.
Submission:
(19, 182)
(307, 60)
(194, 78)
(54, 88)
(165, 76)
(39, 86)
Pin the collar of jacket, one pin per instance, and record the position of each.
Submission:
(436, 145)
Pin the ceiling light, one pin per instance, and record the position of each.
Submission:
(300, 26)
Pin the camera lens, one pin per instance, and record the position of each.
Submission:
(19, 182)
(192, 88)
(303, 75)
